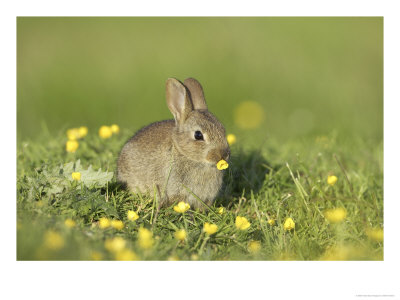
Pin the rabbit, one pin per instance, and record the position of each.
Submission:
(177, 158)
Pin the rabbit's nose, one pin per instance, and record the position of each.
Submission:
(226, 155)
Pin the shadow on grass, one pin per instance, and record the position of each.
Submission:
(247, 172)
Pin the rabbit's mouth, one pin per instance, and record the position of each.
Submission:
(215, 155)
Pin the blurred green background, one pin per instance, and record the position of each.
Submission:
(310, 75)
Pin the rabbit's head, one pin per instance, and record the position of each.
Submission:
(198, 135)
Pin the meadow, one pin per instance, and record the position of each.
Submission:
(303, 98)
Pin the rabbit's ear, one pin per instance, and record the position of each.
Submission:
(196, 93)
(177, 100)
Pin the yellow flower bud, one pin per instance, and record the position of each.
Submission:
(222, 164)
(210, 228)
(242, 223)
(132, 216)
(335, 215)
(69, 223)
(117, 224)
(181, 207)
(83, 131)
(254, 246)
(71, 146)
(231, 138)
(104, 223)
(76, 176)
(115, 128)
(289, 224)
(180, 234)
(53, 240)
(105, 132)
(332, 180)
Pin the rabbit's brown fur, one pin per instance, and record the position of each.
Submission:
(166, 156)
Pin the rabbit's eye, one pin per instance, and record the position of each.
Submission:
(198, 135)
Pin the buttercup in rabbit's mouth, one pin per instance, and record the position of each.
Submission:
(222, 164)
(182, 159)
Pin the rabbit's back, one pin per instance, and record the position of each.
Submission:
(142, 161)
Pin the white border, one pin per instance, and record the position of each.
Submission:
(223, 280)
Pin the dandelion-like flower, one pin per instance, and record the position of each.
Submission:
(53, 240)
(69, 223)
(375, 234)
(173, 258)
(115, 244)
(117, 224)
(73, 134)
(331, 180)
(271, 222)
(126, 255)
(181, 207)
(132, 216)
(104, 223)
(105, 132)
(249, 115)
(221, 210)
(82, 131)
(254, 246)
(145, 238)
(194, 256)
(335, 215)
(180, 234)
(242, 223)
(96, 255)
(210, 228)
(76, 176)
(289, 224)
(71, 146)
(231, 138)
(115, 128)
(222, 164)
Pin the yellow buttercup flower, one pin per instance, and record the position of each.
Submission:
(173, 258)
(271, 222)
(181, 207)
(222, 164)
(249, 115)
(73, 134)
(115, 128)
(335, 215)
(210, 228)
(242, 223)
(53, 240)
(117, 224)
(231, 138)
(331, 180)
(96, 255)
(132, 216)
(180, 234)
(126, 255)
(82, 131)
(375, 234)
(76, 176)
(71, 146)
(145, 238)
(115, 244)
(289, 224)
(254, 246)
(221, 210)
(104, 223)
(105, 132)
(69, 223)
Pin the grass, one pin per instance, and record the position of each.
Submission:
(273, 181)
(319, 82)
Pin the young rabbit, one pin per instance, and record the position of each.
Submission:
(178, 157)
